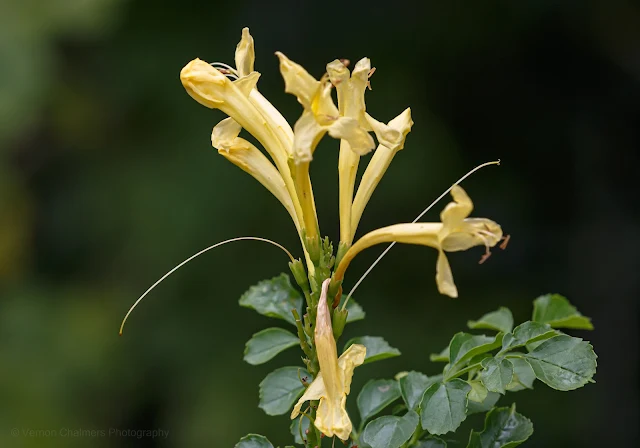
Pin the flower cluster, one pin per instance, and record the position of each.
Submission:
(284, 171)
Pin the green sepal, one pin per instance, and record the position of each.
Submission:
(339, 320)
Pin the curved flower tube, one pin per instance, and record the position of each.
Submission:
(392, 137)
(250, 159)
(456, 232)
(332, 385)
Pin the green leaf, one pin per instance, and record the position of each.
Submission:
(496, 374)
(413, 385)
(375, 396)
(431, 442)
(254, 441)
(563, 362)
(355, 310)
(377, 348)
(273, 298)
(487, 404)
(443, 356)
(281, 388)
(444, 406)
(503, 428)
(500, 320)
(523, 375)
(555, 310)
(527, 333)
(266, 344)
(464, 346)
(295, 427)
(390, 431)
(478, 392)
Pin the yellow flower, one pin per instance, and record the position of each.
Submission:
(391, 137)
(456, 232)
(332, 385)
(238, 97)
(250, 159)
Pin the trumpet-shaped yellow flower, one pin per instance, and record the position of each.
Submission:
(250, 159)
(332, 385)
(391, 137)
(320, 114)
(351, 88)
(456, 232)
(233, 91)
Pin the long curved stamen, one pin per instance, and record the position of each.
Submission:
(242, 238)
(373, 265)
(225, 69)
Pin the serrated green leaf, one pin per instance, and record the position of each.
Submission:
(413, 385)
(390, 431)
(375, 396)
(444, 406)
(527, 333)
(355, 310)
(503, 428)
(273, 298)
(523, 375)
(496, 374)
(377, 348)
(557, 311)
(431, 442)
(478, 392)
(266, 344)
(500, 320)
(281, 388)
(443, 356)
(254, 441)
(295, 427)
(563, 362)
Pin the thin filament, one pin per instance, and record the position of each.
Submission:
(242, 238)
(373, 265)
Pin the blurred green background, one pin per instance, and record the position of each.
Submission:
(108, 179)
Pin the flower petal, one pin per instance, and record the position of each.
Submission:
(472, 232)
(348, 361)
(393, 134)
(455, 212)
(245, 54)
(315, 391)
(250, 159)
(444, 277)
(307, 133)
(224, 134)
(297, 80)
(247, 83)
(349, 129)
(332, 418)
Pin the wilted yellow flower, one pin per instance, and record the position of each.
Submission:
(456, 232)
(332, 385)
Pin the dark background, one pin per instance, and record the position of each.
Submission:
(108, 179)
